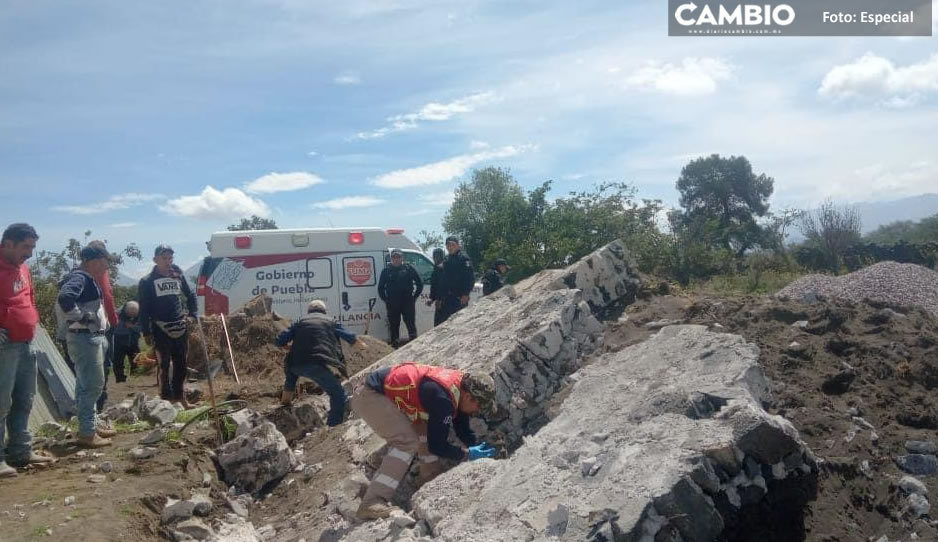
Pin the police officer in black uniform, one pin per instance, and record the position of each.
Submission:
(400, 287)
(494, 278)
(457, 281)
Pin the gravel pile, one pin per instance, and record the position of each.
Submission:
(896, 283)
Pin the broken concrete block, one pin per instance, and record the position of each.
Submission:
(202, 504)
(195, 528)
(176, 511)
(295, 421)
(256, 458)
(159, 412)
(918, 464)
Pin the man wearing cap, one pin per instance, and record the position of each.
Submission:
(103, 280)
(18, 320)
(82, 320)
(494, 278)
(457, 281)
(316, 354)
(400, 287)
(413, 407)
(164, 320)
(436, 286)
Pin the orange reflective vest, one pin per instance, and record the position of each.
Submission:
(400, 386)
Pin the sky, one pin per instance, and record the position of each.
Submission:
(161, 122)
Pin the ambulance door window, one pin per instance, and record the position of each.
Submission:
(421, 263)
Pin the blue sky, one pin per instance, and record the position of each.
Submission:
(164, 121)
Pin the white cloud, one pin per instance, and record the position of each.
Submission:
(875, 77)
(113, 203)
(478, 145)
(312, 153)
(441, 199)
(348, 203)
(693, 77)
(217, 204)
(282, 182)
(123, 225)
(445, 170)
(434, 112)
(347, 78)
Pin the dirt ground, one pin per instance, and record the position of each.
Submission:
(126, 506)
(894, 355)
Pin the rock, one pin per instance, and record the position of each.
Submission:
(921, 447)
(256, 458)
(800, 324)
(245, 420)
(919, 464)
(159, 412)
(123, 412)
(918, 505)
(267, 532)
(656, 451)
(176, 511)
(237, 530)
(402, 519)
(238, 507)
(839, 383)
(70, 500)
(206, 479)
(97, 478)
(295, 421)
(155, 436)
(106, 467)
(139, 454)
(202, 504)
(912, 486)
(345, 498)
(195, 528)
(658, 324)
(193, 392)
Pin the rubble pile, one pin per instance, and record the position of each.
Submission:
(665, 440)
(902, 284)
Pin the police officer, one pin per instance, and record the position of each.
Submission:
(436, 286)
(457, 279)
(399, 287)
(494, 278)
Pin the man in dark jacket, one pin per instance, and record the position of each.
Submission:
(315, 353)
(494, 278)
(400, 287)
(457, 281)
(164, 320)
(436, 286)
(82, 319)
(126, 338)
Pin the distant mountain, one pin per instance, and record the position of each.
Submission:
(879, 213)
(125, 280)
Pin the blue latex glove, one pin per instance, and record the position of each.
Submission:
(481, 450)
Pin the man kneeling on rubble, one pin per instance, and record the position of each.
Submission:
(315, 354)
(412, 407)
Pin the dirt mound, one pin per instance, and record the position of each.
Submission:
(856, 379)
(901, 284)
(252, 336)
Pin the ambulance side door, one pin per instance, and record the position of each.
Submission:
(360, 309)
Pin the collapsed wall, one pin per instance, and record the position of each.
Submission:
(530, 336)
(666, 441)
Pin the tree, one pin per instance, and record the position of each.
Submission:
(832, 230)
(721, 200)
(923, 231)
(428, 239)
(254, 223)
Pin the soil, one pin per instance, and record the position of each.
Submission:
(892, 355)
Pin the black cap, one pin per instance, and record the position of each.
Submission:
(396, 252)
(452, 239)
(502, 261)
(439, 253)
(93, 252)
(161, 249)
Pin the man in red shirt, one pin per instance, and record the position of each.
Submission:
(18, 320)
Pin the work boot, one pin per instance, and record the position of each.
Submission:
(7, 471)
(93, 441)
(104, 431)
(286, 398)
(32, 459)
(368, 511)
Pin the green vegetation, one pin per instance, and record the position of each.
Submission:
(254, 223)
(132, 427)
(39, 531)
(188, 415)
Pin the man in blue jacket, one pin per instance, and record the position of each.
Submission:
(126, 338)
(167, 305)
(80, 312)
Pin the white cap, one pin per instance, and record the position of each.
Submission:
(317, 305)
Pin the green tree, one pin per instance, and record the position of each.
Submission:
(722, 200)
(254, 223)
(427, 240)
(909, 231)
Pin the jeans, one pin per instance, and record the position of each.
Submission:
(87, 351)
(323, 377)
(17, 388)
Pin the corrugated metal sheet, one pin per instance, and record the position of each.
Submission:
(55, 397)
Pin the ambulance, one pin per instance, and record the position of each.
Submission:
(340, 266)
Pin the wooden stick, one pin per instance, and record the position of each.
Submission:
(211, 385)
(234, 370)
